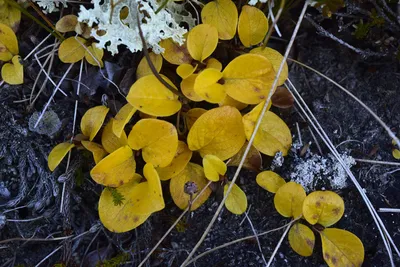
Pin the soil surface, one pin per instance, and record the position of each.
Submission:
(30, 196)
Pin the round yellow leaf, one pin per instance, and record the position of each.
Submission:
(67, 23)
(94, 55)
(396, 153)
(10, 15)
(289, 199)
(181, 159)
(341, 248)
(213, 167)
(253, 26)
(218, 132)
(57, 154)
(213, 63)
(207, 87)
(192, 115)
(236, 202)
(249, 78)
(119, 218)
(270, 181)
(301, 239)
(323, 207)
(148, 195)
(8, 43)
(92, 121)
(272, 136)
(191, 173)
(229, 101)
(223, 15)
(202, 41)
(253, 160)
(185, 70)
(110, 141)
(150, 96)
(275, 58)
(123, 116)
(187, 87)
(174, 53)
(72, 50)
(158, 140)
(143, 68)
(97, 150)
(116, 169)
(13, 73)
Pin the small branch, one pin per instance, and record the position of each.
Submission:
(378, 162)
(321, 31)
(274, 22)
(150, 63)
(279, 244)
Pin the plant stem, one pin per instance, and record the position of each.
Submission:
(274, 22)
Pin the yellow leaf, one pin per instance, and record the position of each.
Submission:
(187, 87)
(110, 141)
(148, 196)
(223, 15)
(181, 159)
(249, 78)
(270, 181)
(158, 140)
(236, 202)
(13, 73)
(213, 63)
(301, 239)
(341, 248)
(202, 41)
(229, 101)
(213, 167)
(123, 116)
(253, 160)
(289, 199)
(174, 53)
(57, 154)
(143, 68)
(207, 87)
(219, 132)
(72, 50)
(323, 207)
(272, 136)
(185, 70)
(92, 121)
(396, 153)
(275, 58)
(8, 43)
(253, 26)
(150, 96)
(119, 218)
(67, 23)
(94, 55)
(192, 115)
(116, 169)
(9, 15)
(191, 173)
(97, 150)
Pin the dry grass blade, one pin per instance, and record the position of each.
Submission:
(314, 122)
(258, 123)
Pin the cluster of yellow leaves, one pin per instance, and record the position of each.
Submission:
(12, 72)
(74, 49)
(323, 208)
(217, 134)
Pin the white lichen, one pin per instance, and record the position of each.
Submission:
(50, 6)
(312, 168)
(111, 31)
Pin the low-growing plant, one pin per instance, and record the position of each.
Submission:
(12, 71)
(314, 213)
(217, 133)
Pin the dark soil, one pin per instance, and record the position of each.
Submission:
(26, 182)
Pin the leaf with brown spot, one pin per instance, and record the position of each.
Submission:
(301, 239)
(341, 248)
(253, 159)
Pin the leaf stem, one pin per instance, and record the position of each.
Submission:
(274, 22)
